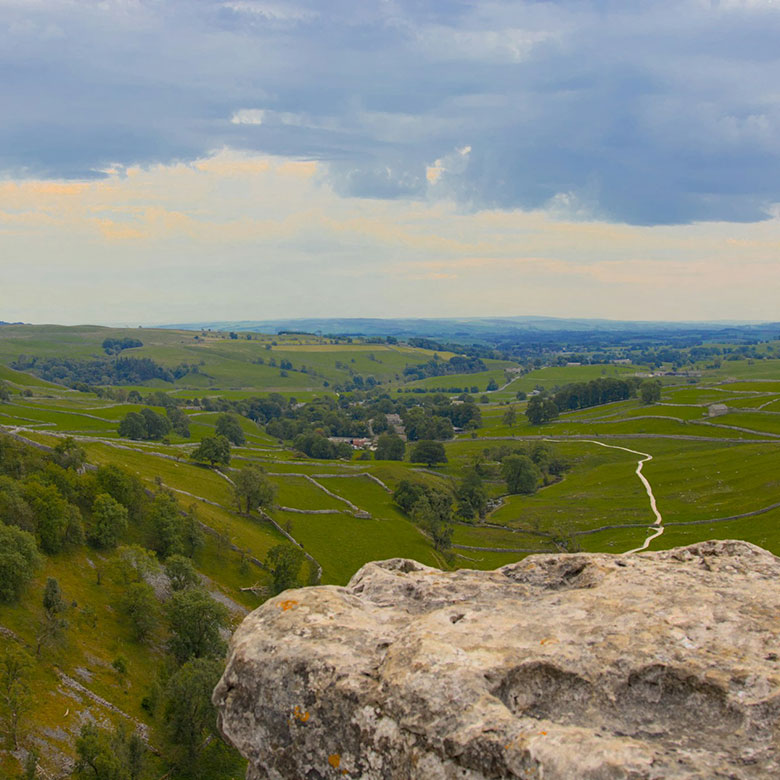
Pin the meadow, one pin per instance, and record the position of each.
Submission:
(705, 470)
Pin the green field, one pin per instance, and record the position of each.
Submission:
(702, 469)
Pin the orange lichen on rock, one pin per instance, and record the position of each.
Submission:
(301, 715)
(287, 604)
(334, 759)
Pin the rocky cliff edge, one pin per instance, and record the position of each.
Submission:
(664, 665)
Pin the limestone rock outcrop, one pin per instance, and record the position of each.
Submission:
(660, 665)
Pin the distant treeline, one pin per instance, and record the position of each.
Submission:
(605, 390)
(115, 346)
(120, 371)
(457, 364)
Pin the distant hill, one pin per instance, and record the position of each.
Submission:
(490, 328)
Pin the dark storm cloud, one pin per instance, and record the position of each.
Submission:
(643, 112)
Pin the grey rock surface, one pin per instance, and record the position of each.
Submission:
(661, 665)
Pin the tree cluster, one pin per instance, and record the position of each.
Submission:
(115, 346)
(119, 371)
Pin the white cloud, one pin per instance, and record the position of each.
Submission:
(248, 116)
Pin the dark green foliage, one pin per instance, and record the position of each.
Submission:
(168, 527)
(53, 603)
(229, 426)
(433, 513)
(422, 423)
(510, 417)
(14, 510)
(252, 489)
(181, 573)
(69, 455)
(195, 620)
(132, 426)
(191, 723)
(180, 422)
(19, 559)
(407, 493)
(109, 521)
(146, 424)
(5, 393)
(18, 460)
(389, 446)
(522, 475)
(213, 450)
(115, 346)
(581, 395)
(471, 496)
(317, 446)
(109, 755)
(119, 371)
(284, 562)
(123, 486)
(457, 364)
(51, 513)
(541, 410)
(430, 452)
(492, 385)
(157, 425)
(139, 604)
(650, 391)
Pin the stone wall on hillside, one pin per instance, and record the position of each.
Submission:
(660, 665)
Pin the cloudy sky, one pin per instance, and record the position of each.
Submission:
(172, 160)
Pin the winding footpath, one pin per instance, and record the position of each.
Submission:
(658, 526)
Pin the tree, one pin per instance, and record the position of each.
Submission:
(52, 515)
(109, 521)
(389, 446)
(52, 625)
(122, 486)
(191, 721)
(253, 489)
(19, 559)
(167, 525)
(471, 496)
(106, 755)
(133, 563)
(510, 417)
(522, 475)
(650, 391)
(181, 573)
(5, 393)
(229, 426)
(133, 426)
(195, 620)
(180, 422)
(430, 452)
(192, 533)
(284, 562)
(407, 493)
(214, 450)
(492, 385)
(69, 455)
(15, 696)
(14, 510)
(53, 603)
(541, 410)
(157, 425)
(139, 604)
(433, 512)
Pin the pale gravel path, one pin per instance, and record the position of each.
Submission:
(658, 525)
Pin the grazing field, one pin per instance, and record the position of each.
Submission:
(703, 471)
